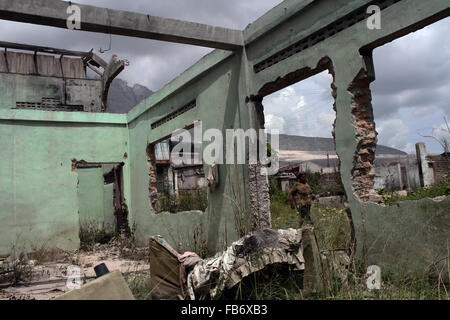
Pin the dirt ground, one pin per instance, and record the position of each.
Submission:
(47, 280)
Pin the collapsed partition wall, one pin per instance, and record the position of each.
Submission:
(291, 42)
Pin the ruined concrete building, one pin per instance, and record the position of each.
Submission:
(52, 79)
(43, 152)
(432, 167)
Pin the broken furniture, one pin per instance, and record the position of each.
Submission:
(208, 278)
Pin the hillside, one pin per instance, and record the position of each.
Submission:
(316, 144)
(122, 98)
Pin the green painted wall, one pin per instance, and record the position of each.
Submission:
(38, 189)
(38, 193)
(90, 197)
(218, 107)
(109, 221)
(408, 236)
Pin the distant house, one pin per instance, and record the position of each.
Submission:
(396, 173)
(173, 178)
(432, 168)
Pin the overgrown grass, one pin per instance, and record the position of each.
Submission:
(343, 281)
(140, 285)
(91, 233)
(439, 189)
(394, 286)
(15, 271)
(184, 201)
(43, 254)
(331, 224)
(277, 282)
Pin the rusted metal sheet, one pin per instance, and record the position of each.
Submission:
(3, 66)
(19, 62)
(25, 63)
(73, 68)
(49, 66)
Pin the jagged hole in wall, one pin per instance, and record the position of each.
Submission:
(177, 186)
(302, 106)
(411, 104)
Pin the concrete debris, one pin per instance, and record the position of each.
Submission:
(111, 286)
(252, 253)
(213, 177)
(48, 280)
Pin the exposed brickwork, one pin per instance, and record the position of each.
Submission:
(258, 184)
(330, 180)
(440, 164)
(363, 172)
(259, 197)
(151, 160)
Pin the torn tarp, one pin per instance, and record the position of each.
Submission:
(252, 253)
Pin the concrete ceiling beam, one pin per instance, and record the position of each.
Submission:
(103, 20)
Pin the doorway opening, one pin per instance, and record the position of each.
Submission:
(102, 209)
(302, 107)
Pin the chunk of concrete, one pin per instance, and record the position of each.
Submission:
(108, 287)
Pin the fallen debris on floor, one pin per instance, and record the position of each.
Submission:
(47, 280)
(209, 278)
(111, 286)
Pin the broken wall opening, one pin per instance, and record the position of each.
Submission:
(177, 181)
(302, 105)
(101, 202)
(407, 99)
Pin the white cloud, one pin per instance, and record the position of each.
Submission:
(274, 122)
(306, 107)
(394, 133)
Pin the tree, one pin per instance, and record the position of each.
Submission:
(443, 140)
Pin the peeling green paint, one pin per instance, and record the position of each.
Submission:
(38, 192)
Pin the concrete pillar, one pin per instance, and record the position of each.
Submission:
(400, 178)
(170, 180)
(425, 174)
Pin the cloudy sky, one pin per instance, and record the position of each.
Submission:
(411, 94)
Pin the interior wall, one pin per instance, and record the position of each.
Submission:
(85, 92)
(396, 236)
(218, 107)
(90, 197)
(38, 186)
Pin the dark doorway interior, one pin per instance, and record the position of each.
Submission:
(101, 199)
